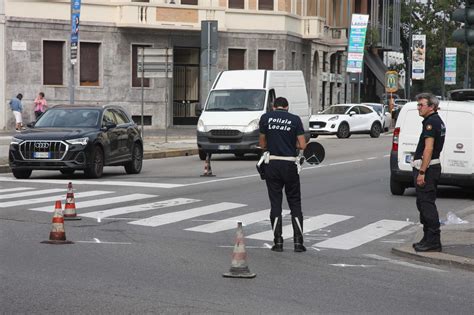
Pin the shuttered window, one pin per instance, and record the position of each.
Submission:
(89, 68)
(236, 59)
(136, 77)
(265, 59)
(191, 2)
(265, 5)
(53, 62)
(236, 4)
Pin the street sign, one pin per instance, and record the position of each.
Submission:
(75, 16)
(391, 81)
(156, 62)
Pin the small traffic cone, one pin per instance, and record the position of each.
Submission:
(70, 205)
(57, 235)
(239, 267)
(207, 167)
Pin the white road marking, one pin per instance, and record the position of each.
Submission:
(402, 263)
(348, 265)
(372, 158)
(311, 224)
(100, 242)
(105, 201)
(344, 162)
(137, 208)
(50, 208)
(93, 182)
(32, 193)
(173, 217)
(364, 235)
(15, 189)
(231, 223)
(386, 155)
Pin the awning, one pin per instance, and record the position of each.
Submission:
(376, 66)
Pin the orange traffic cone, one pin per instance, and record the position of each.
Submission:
(57, 235)
(70, 205)
(207, 167)
(239, 267)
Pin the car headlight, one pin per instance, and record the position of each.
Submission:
(333, 118)
(82, 141)
(16, 141)
(200, 126)
(254, 125)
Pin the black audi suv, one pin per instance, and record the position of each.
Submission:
(69, 138)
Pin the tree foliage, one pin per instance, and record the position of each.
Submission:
(434, 19)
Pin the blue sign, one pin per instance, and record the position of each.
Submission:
(75, 17)
(450, 66)
(355, 58)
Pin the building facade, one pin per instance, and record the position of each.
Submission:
(308, 35)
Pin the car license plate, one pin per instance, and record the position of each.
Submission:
(223, 147)
(408, 158)
(41, 155)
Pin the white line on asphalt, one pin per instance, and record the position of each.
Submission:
(387, 155)
(231, 223)
(372, 158)
(257, 247)
(14, 189)
(364, 235)
(100, 242)
(100, 202)
(92, 182)
(51, 199)
(311, 224)
(137, 208)
(402, 263)
(173, 217)
(348, 265)
(31, 193)
(345, 162)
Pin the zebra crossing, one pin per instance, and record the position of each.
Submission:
(175, 210)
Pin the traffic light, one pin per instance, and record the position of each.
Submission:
(466, 16)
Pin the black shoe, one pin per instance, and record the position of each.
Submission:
(428, 247)
(277, 247)
(299, 248)
(418, 244)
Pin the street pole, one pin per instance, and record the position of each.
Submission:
(71, 85)
(141, 84)
(348, 83)
(410, 33)
(166, 97)
(466, 75)
(443, 88)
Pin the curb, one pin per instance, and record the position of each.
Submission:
(435, 258)
(146, 156)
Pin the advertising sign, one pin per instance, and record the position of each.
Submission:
(450, 66)
(391, 81)
(355, 59)
(75, 15)
(418, 57)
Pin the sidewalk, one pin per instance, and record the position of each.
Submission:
(457, 240)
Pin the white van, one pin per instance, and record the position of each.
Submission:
(457, 161)
(229, 120)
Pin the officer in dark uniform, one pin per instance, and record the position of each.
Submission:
(282, 134)
(427, 170)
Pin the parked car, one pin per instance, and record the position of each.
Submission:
(346, 119)
(384, 113)
(69, 138)
(456, 158)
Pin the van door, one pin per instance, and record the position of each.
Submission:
(456, 157)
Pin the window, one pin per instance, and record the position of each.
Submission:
(190, 2)
(137, 77)
(89, 67)
(236, 59)
(120, 117)
(265, 59)
(236, 4)
(53, 62)
(364, 110)
(108, 118)
(265, 5)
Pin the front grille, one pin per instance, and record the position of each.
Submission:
(317, 124)
(225, 133)
(231, 140)
(43, 150)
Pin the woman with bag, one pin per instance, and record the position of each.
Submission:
(40, 105)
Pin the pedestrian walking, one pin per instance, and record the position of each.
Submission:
(40, 105)
(282, 135)
(427, 170)
(17, 108)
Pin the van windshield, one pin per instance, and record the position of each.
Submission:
(236, 100)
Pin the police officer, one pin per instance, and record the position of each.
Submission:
(282, 134)
(427, 170)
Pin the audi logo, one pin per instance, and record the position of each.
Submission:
(41, 145)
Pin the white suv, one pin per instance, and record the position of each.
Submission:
(457, 162)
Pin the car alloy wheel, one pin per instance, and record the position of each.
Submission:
(343, 131)
(375, 130)
(135, 165)
(96, 168)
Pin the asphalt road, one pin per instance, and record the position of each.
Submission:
(159, 242)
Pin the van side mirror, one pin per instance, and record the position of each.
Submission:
(31, 124)
(198, 109)
(352, 113)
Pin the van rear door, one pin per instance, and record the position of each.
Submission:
(456, 157)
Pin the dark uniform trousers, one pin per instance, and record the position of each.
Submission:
(425, 202)
(279, 174)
